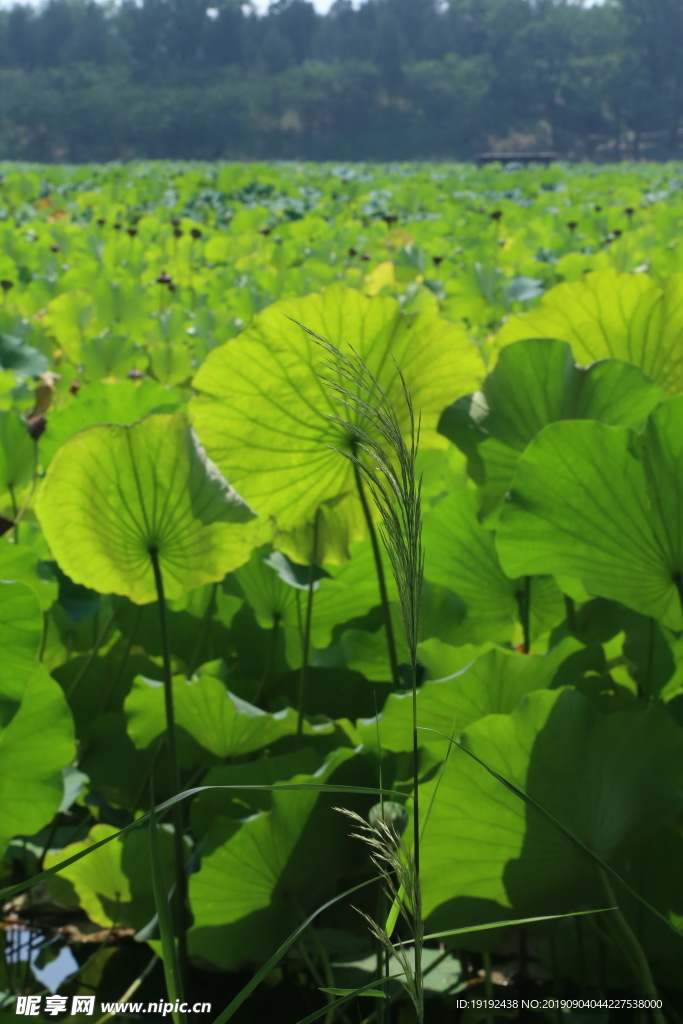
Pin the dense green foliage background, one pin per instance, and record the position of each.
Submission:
(150, 342)
(391, 80)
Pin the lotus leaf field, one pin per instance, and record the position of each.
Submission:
(211, 577)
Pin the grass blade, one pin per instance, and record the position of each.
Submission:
(395, 910)
(372, 985)
(14, 890)
(515, 922)
(280, 952)
(171, 962)
(595, 857)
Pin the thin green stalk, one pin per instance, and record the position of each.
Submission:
(173, 973)
(570, 609)
(270, 660)
(488, 985)
(303, 678)
(678, 581)
(98, 641)
(524, 603)
(111, 688)
(204, 629)
(382, 901)
(649, 664)
(266, 968)
(328, 975)
(52, 832)
(522, 956)
(632, 950)
(173, 768)
(27, 500)
(382, 953)
(6, 965)
(124, 659)
(417, 910)
(132, 988)
(381, 580)
(158, 743)
(386, 1003)
(580, 952)
(15, 507)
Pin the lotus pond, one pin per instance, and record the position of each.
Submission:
(351, 487)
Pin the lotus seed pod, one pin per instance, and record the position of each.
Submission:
(394, 816)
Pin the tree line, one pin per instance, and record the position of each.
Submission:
(388, 80)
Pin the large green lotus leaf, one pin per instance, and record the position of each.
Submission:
(113, 494)
(114, 883)
(117, 770)
(492, 684)
(606, 314)
(606, 506)
(367, 652)
(339, 525)
(121, 402)
(35, 746)
(534, 383)
(271, 595)
(21, 358)
(277, 856)
(439, 659)
(123, 306)
(170, 364)
(67, 317)
(277, 605)
(656, 875)
(276, 588)
(198, 628)
(239, 803)
(16, 455)
(76, 316)
(21, 631)
(111, 355)
(221, 722)
(262, 410)
(349, 591)
(610, 779)
(461, 555)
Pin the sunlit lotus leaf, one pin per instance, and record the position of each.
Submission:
(536, 382)
(262, 411)
(113, 495)
(610, 315)
(604, 505)
(36, 744)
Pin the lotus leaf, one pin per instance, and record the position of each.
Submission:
(113, 494)
(603, 504)
(611, 315)
(610, 779)
(263, 413)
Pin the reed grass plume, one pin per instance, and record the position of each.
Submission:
(387, 463)
(396, 869)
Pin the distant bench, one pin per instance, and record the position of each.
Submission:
(515, 158)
